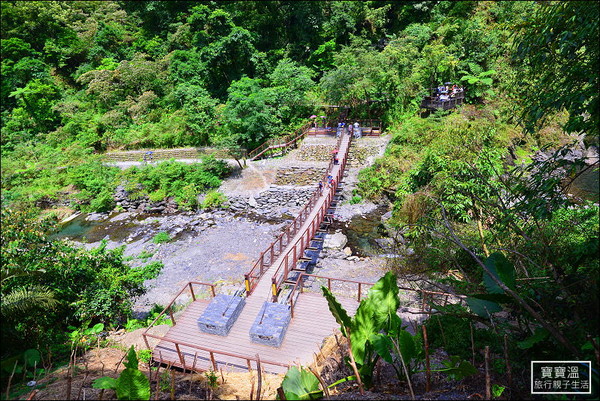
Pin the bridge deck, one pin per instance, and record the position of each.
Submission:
(312, 322)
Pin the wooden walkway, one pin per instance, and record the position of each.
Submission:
(311, 324)
(187, 347)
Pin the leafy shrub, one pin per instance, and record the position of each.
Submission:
(90, 285)
(161, 237)
(157, 195)
(213, 199)
(355, 199)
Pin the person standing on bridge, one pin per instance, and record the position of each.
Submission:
(320, 187)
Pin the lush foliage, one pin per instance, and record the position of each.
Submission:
(301, 384)
(80, 285)
(181, 181)
(479, 211)
(376, 331)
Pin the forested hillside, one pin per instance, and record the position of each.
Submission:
(480, 211)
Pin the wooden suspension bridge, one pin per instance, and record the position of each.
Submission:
(278, 275)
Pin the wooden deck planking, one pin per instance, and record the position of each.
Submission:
(312, 322)
(311, 325)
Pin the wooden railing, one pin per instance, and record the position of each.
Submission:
(426, 295)
(361, 285)
(210, 355)
(430, 102)
(267, 257)
(296, 252)
(368, 127)
(199, 351)
(169, 307)
(278, 143)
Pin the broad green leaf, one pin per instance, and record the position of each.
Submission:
(501, 268)
(487, 81)
(363, 325)
(382, 345)
(107, 383)
(132, 360)
(483, 308)
(407, 346)
(300, 384)
(486, 73)
(96, 329)
(133, 385)
(340, 314)
(539, 335)
(382, 299)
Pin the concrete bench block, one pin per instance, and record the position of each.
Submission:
(220, 314)
(271, 324)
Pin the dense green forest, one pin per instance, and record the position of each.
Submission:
(80, 78)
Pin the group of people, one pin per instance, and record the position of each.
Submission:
(329, 182)
(447, 92)
(350, 129)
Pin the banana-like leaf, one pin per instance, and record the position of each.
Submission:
(340, 314)
(406, 342)
(300, 384)
(363, 325)
(383, 299)
(382, 345)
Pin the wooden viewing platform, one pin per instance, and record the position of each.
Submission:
(312, 323)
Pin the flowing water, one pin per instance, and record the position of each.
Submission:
(81, 230)
(363, 230)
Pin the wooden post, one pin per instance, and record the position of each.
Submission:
(258, 371)
(488, 391)
(212, 360)
(427, 368)
(146, 340)
(329, 284)
(472, 344)
(508, 368)
(359, 291)
(192, 291)
(171, 314)
(179, 355)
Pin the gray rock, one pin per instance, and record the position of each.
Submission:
(335, 241)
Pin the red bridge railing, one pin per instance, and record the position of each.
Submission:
(278, 143)
(268, 256)
(296, 252)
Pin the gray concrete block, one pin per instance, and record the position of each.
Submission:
(220, 314)
(271, 324)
